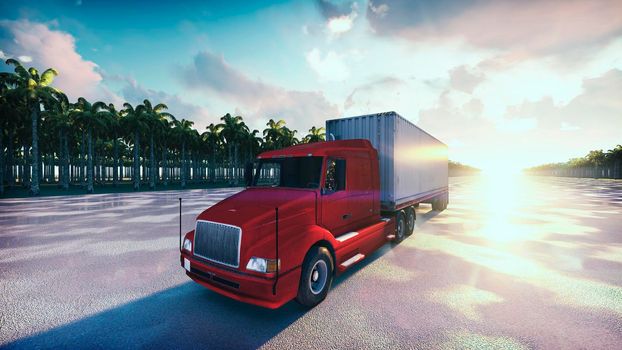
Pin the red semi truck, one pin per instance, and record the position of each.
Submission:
(312, 211)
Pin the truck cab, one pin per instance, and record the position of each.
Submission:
(311, 211)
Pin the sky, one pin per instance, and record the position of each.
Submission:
(506, 84)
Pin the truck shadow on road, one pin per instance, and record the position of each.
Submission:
(185, 316)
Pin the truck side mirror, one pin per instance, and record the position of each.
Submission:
(248, 174)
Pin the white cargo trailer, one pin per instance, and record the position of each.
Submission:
(413, 163)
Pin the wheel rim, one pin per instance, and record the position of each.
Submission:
(400, 228)
(411, 219)
(318, 277)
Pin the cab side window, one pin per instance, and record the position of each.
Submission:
(335, 175)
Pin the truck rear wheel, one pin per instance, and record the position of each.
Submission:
(316, 277)
(439, 203)
(411, 216)
(400, 227)
(436, 204)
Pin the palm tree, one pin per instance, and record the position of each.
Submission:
(272, 134)
(6, 81)
(114, 126)
(315, 135)
(252, 144)
(154, 115)
(163, 133)
(34, 89)
(134, 123)
(213, 142)
(233, 131)
(93, 118)
(183, 132)
(61, 119)
(288, 137)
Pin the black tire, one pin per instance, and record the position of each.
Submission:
(400, 227)
(411, 216)
(442, 202)
(436, 204)
(311, 292)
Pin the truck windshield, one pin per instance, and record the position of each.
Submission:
(296, 172)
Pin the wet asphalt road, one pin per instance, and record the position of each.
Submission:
(513, 263)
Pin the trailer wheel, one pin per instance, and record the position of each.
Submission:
(411, 216)
(316, 277)
(400, 227)
(436, 204)
(445, 201)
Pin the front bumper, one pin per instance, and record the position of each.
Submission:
(243, 287)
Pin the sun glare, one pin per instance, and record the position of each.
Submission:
(500, 169)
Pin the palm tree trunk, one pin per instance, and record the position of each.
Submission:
(89, 170)
(183, 165)
(82, 160)
(152, 164)
(237, 165)
(11, 160)
(2, 168)
(230, 164)
(61, 169)
(115, 161)
(136, 174)
(164, 166)
(212, 167)
(34, 183)
(65, 161)
(25, 166)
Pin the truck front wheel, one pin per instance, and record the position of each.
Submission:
(316, 277)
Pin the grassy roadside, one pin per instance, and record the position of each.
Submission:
(75, 190)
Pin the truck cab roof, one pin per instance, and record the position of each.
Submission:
(318, 148)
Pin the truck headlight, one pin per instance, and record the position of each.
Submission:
(187, 245)
(263, 265)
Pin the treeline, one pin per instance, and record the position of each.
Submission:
(596, 164)
(459, 169)
(45, 138)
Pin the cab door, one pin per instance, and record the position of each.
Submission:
(336, 213)
(360, 189)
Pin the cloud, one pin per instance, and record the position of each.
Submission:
(568, 127)
(48, 48)
(380, 10)
(258, 100)
(464, 79)
(330, 9)
(134, 93)
(531, 132)
(25, 59)
(331, 67)
(531, 27)
(339, 16)
(341, 24)
(364, 96)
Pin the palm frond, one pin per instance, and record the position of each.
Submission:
(34, 74)
(48, 77)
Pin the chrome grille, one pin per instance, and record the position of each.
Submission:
(217, 242)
